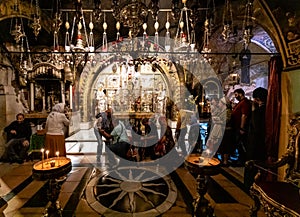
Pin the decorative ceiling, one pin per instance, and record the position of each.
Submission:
(224, 53)
(205, 8)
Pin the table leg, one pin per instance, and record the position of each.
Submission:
(53, 209)
(201, 205)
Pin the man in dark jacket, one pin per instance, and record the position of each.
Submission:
(256, 146)
(18, 137)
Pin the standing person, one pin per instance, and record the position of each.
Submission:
(227, 143)
(107, 123)
(240, 119)
(194, 137)
(166, 142)
(97, 128)
(120, 141)
(55, 125)
(256, 148)
(151, 137)
(166, 135)
(103, 121)
(18, 137)
(216, 125)
(181, 130)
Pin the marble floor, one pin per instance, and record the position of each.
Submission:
(93, 189)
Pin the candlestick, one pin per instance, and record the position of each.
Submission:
(42, 150)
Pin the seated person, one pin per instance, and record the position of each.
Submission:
(18, 137)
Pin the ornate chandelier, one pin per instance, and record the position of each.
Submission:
(79, 44)
(23, 56)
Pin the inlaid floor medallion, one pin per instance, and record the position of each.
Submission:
(136, 192)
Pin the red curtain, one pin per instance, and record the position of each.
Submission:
(273, 106)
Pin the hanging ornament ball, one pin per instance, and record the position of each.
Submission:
(104, 25)
(91, 25)
(79, 26)
(118, 25)
(181, 25)
(67, 25)
(156, 25)
(145, 26)
(168, 25)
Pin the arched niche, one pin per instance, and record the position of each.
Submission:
(120, 84)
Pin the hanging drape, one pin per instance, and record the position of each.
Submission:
(273, 106)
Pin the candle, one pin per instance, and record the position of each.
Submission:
(47, 153)
(31, 96)
(57, 154)
(42, 150)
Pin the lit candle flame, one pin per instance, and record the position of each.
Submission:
(42, 150)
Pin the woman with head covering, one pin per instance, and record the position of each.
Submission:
(55, 125)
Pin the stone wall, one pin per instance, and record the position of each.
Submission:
(10, 98)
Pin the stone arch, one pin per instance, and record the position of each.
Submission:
(91, 74)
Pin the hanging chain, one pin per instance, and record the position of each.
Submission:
(36, 25)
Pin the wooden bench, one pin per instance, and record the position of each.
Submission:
(279, 198)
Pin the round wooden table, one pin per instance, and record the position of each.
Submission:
(54, 170)
(51, 168)
(202, 167)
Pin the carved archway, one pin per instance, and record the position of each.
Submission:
(103, 71)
